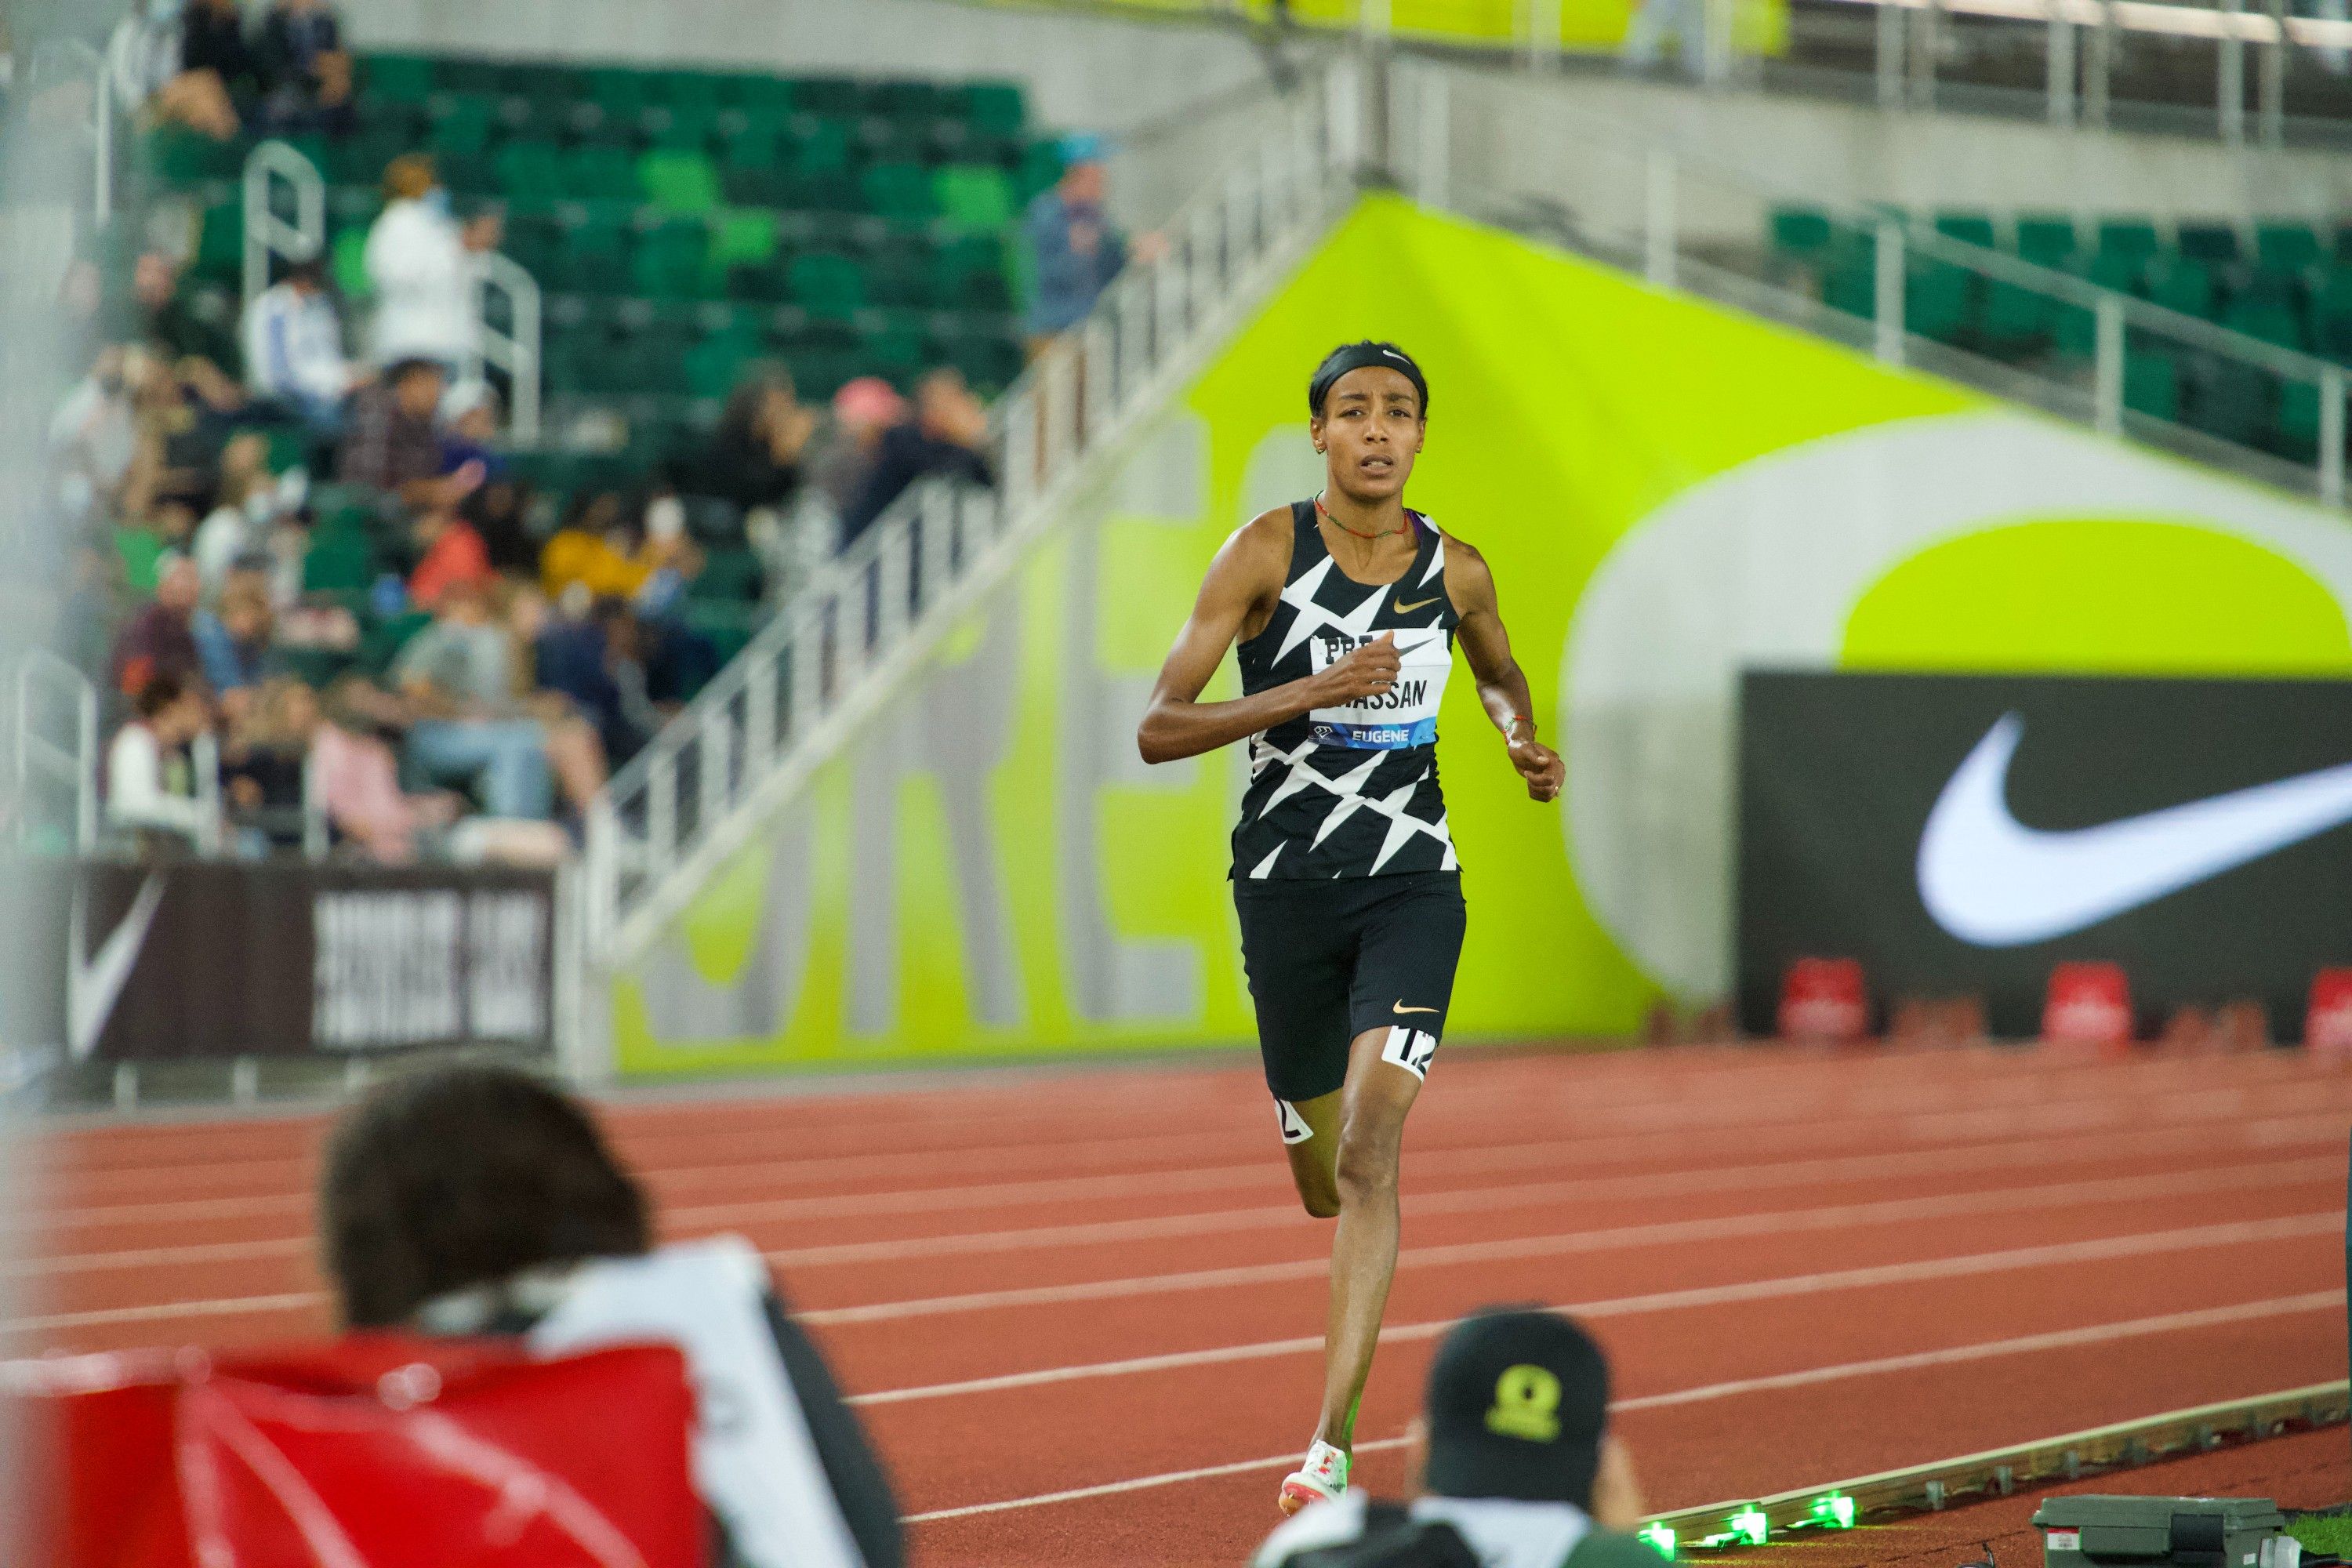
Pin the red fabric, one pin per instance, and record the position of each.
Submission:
(2088, 1005)
(458, 555)
(1824, 999)
(394, 1452)
(2328, 1028)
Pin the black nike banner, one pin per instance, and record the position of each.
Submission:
(209, 960)
(1960, 835)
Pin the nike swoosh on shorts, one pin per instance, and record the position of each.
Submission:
(1992, 881)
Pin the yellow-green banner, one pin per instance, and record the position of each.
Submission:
(1667, 490)
(1758, 27)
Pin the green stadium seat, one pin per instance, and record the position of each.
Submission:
(838, 96)
(349, 265)
(2151, 385)
(2046, 239)
(819, 146)
(743, 237)
(715, 364)
(141, 552)
(1851, 285)
(2212, 243)
(2120, 270)
(2135, 237)
(728, 576)
(897, 352)
(973, 195)
(968, 273)
(994, 109)
(624, 94)
(341, 557)
(826, 284)
(899, 273)
(752, 91)
(2298, 422)
(2076, 329)
(406, 78)
(1040, 166)
(2233, 402)
(459, 124)
(220, 242)
(2272, 320)
(1969, 228)
(1935, 300)
(381, 641)
(469, 173)
(469, 73)
(2180, 283)
(673, 261)
(599, 172)
(181, 157)
(688, 127)
(2017, 317)
(2286, 247)
(530, 168)
(1800, 231)
(2331, 313)
(900, 191)
(678, 181)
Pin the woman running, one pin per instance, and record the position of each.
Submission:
(1345, 609)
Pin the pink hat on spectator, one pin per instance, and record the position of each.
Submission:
(868, 400)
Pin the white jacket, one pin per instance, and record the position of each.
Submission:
(294, 346)
(423, 281)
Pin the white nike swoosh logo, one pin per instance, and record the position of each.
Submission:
(94, 986)
(1990, 880)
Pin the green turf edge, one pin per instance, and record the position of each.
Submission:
(2329, 1531)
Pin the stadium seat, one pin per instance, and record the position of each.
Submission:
(2016, 318)
(530, 168)
(2046, 240)
(1936, 298)
(900, 191)
(2208, 242)
(183, 158)
(459, 124)
(678, 181)
(835, 96)
(623, 93)
(1969, 228)
(600, 172)
(339, 558)
(2133, 237)
(2286, 247)
(743, 237)
(406, 78)
(687, 127)
(973, 196)
(826, 284)
(2298, 423)
(2233, 401)
(349, 265)
(220, 243)
(2271, 319)
(672, 260)
(994, 109)
(1800, 231)
(2151, 385)
(360, 158)
(715, 364)
(2180, 283)
(2331, 313)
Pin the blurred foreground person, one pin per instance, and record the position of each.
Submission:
(480, 1201)
(1512, 1464)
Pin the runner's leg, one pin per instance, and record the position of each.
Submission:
(1314, 1159)
(1373, 1105)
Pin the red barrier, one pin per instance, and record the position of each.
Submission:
(2327, 1025)
(1824, 999)
(382, 1450)
(2089, 1004)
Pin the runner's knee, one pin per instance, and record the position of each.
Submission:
(1367, 1165)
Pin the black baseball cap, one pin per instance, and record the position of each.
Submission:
(1518, 1400)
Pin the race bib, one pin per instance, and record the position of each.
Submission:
(1406, 714)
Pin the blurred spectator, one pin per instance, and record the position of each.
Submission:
(294, 348)
(357, 782)
(420, 263)
(755, 455)
(479, 1200)
(1513, 1459)
(211, 41)
(94, 437)
(454, 556)
(306, 73)
(625, 673)
(394, 440)
(944, 437)
(144, 63)
(245, 501)
(150, 783)
(168, 322)
(265, 764)
(598, 548)
(458, 675)
(158, 641)
(499, 509)
(1074, 249)
(234, 640)
(862, 411)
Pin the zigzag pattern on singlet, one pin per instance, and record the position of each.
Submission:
(1317, 810)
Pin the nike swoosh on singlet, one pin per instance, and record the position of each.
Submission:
(1992, 881)
(1403, 1008)
(1404, 609)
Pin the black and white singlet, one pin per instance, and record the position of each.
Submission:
(1352, 791)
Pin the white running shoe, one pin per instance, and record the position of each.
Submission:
(1321, 1478)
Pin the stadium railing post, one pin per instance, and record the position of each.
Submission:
(2058, 76)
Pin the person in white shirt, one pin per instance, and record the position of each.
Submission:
(294, 348)
(150, 786)
(422, 263)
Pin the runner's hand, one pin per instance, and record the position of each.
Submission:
(1367, 671)
(1539, 766)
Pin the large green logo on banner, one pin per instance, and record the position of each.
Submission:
(1666, 491)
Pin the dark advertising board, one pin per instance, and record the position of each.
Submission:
(1962, 833)
(206, 959)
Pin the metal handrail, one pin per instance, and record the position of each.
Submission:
(514, 348)
(837, 649)
(265, 234)
(89, 60)
(37, 756)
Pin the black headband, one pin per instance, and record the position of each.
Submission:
(1363, 356)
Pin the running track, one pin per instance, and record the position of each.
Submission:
(1081, 1313)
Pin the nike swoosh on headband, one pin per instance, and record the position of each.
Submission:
(1990, 880)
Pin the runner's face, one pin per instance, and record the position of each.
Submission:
(1371, 430)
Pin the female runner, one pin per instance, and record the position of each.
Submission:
(1346, 609)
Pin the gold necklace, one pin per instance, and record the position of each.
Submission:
(1325, 513)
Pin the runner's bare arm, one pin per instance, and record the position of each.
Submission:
(1501, 685)
(1237, 600)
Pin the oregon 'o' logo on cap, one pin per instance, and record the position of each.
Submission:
(1527, 1405)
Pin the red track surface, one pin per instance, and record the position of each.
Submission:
(1805, 1268)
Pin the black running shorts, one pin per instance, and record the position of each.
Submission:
(1329, 959)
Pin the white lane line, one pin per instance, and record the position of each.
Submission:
(1617, 1237)
(2026, 1344)
(1626, 1306)
(160, 1311)
(1487, 1197)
